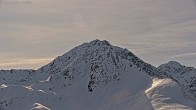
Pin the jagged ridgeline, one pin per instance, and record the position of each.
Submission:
(98, 76)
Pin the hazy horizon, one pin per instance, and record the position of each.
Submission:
(33, 33)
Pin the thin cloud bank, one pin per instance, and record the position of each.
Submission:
(155, 30)
(188, 58)
(22, 62)
(188, 55)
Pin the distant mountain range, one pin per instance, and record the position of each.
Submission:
(99, 76)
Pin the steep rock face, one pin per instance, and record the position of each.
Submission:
(184, 76)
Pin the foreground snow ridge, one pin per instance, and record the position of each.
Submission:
(38, 106)
(99, 76)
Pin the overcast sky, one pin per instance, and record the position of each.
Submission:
(32, 33)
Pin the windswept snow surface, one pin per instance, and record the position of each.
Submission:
(166, 94)
(38, 106)
(94, 76)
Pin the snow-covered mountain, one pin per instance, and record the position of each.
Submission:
(184, 76)
(99, 76)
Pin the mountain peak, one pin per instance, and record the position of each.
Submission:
(98, 51)
(172, 67)
(98, 61)
(100, 42)
(174, 63)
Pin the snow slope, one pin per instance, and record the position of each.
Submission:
(93, 76)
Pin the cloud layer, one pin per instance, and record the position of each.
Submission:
(155, 30)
